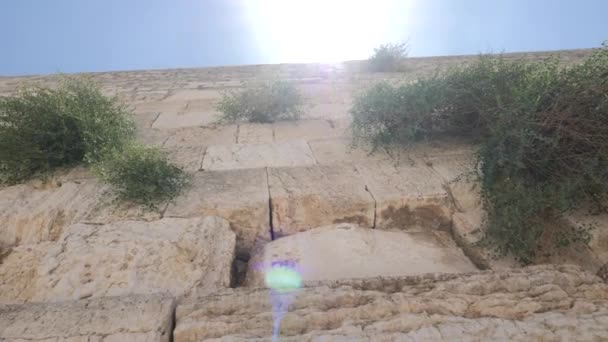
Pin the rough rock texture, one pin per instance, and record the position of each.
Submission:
(339, 150)
(239, 196)
(128, 318)
(550, 303)
(244, 156)
(179, 256)
(303, 198)
(30, 214)
(408, 197)
(345, 251)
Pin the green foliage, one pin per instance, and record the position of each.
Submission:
(542, 132)
(142, 175)
(269, 102)
(43, 128)
(387, 57)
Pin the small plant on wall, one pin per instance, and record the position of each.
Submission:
(268, 102)
(388, 57)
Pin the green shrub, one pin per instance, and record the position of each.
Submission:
(270, 102)
(387, 57)
(141, 175)
(542, 132)
(43, 128)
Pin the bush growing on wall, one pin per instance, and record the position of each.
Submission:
(542, 132)
(44, 128)
(387, 57)
(268, 102)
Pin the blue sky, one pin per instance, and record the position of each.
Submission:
(47, 36)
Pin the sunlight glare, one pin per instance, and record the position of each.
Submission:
(321, 30)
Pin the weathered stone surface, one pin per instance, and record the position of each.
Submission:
(340, 150)
(242, 156)
(408, 197)
(189, 158)
(201, 136)
(239, 196)
(304, 129)
(182, 257)
(303, 198)
(128, 318)
(345, 251)
(161, 106)
(145, 120)
(533, 303)
(328, 111)
(179, 120)
(192, 94)
(152, 137)
(255, 133)
(31, 215)
(458, 174)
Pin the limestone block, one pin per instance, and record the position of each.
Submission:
(152, 137)
(408, 197)
(527, 304)
(143, 318)
(303, 198)
(328, 111)
(145, 120)
(255, 133)
(458, 174)
(179, 120)
(303, 129)
(161, 106)
(340, 150)
(183, 257)
(239, 196)
(31, 215)
(345, 251)
(201, 136)
(241, 156)
(189, 158)
(192, 94)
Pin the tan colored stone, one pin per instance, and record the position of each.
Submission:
(304, 129)
(345, 251)
(408, 197)
(242, 156)
(31, 215)
(189, 158)
(192, 94)
(127, 318)
(18, 272)
(145, 120)
(328, 111)
(182, 257)
(341, 150)
(161, 106)
(203, 106)
(529, 304)
(239, 196)
(179, 120)
(458, 174)
(152, 137)
(255, 133)
(201, 136)
(303, 198)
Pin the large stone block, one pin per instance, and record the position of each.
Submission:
(304, 129)
(340, 150)
(182, 257)
(128, 318)
(242, 156)
(239, 196)
(31, 215)
(179, 120)
(408, 196)
(308, 197)
(201, 136)
(255, 133)
(345, 251)
(542, 303)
